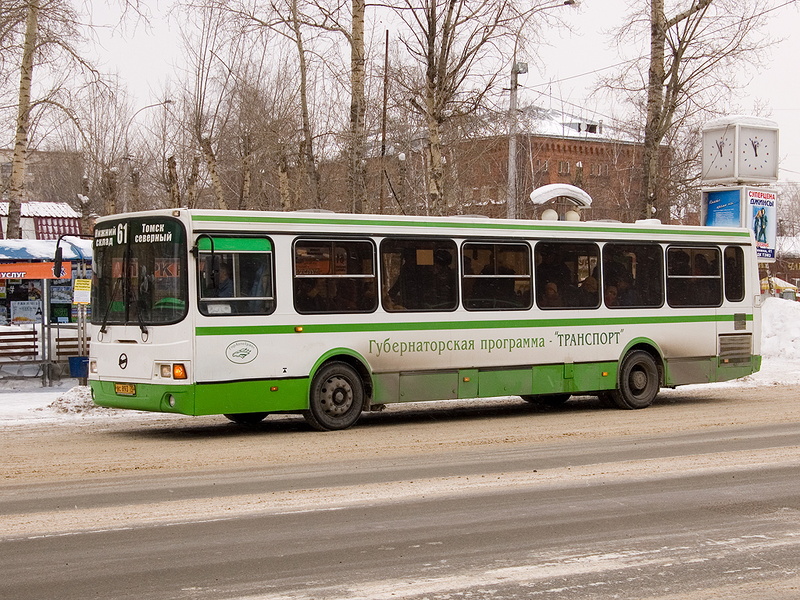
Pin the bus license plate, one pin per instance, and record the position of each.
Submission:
(125, 389)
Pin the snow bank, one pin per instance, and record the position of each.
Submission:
(76, 401)
(780, 333)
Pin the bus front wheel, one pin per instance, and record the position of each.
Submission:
(639, 381)
(335, 398)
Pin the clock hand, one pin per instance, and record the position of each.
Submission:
(755, 147)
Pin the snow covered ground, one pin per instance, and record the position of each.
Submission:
(25, 401)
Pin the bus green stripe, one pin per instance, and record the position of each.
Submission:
(464, 325)
(477, 224)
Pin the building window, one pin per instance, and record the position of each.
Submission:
(563, 167)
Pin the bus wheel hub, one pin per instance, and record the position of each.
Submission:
(638, 380)
(337, 396)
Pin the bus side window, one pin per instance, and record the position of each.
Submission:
(496, 276)
(635, 271)
(334, 276)
(565, 275)
(694, 278)
(419, 275)
(237, 283)
(734, 274)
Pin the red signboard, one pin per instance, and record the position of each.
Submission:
(42, 270)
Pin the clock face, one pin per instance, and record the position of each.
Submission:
(719, 153)
(757, 153)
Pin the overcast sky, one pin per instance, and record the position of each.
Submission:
(569, 66)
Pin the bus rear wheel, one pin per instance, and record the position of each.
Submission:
(639, 381)
(336, 397)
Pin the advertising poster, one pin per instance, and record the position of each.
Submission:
(61, 294)
(25, 312)
(723, 208)
(762, 218)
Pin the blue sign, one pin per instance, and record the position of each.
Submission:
(723, 208)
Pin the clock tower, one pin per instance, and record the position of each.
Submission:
(739, 149)
(740, 158)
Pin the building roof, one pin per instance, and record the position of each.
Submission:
(43, 209)
(26, 250)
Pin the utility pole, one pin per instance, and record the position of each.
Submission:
(511, 190)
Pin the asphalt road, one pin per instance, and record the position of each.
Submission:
(711, 513)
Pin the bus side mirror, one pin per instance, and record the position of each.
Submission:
(59, 258)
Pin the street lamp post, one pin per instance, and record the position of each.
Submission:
(519, 68)
(511, 192)
(128, 157)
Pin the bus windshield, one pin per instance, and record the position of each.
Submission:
(140, 272)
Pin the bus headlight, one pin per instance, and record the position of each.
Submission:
(171, 370)
(93, 366)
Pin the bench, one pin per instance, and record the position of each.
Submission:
(18, 346)
(67, 347)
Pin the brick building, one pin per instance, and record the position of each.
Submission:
(551, 148)
(608, 170)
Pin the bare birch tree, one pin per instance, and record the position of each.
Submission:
(42, 36)
(697, 52)
(456, 45)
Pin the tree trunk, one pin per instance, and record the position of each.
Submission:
(18, 164)
(659, 112)
(191, 185)
(432, 83)
(655, 105)
(307, 150)
(109, 190)
(283, 182)
(174, 190)
(247, 181)
(211, 163)
(357, 171)
(436, 197)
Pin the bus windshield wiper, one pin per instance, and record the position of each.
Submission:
(108, 306)
(142, 326)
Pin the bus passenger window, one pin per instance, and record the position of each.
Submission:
(694, 278)
(636, 274)
(566, 275)
(236, 278)
(334, 276)
(496, 276)
(419, 275)
(734, 274)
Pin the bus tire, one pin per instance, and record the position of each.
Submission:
(639, 381)
(547, 399)
(336, 397)
(253, 418)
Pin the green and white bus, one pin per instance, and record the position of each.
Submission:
(204, 312)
